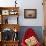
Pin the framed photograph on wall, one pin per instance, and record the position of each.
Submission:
(5, 12)
(30, 13)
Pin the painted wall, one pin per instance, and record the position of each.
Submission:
(27, 4)
(33, 4)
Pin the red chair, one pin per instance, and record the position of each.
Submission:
(29, 33)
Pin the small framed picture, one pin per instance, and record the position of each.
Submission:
(5, 12)
(12, 12)
(30, 13)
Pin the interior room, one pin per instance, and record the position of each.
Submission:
(22, 23)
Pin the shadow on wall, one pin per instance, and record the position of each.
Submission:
(37, 29)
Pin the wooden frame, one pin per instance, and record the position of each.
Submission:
(13, 12)
(5, 12)
(30, 13)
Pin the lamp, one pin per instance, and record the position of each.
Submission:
(15, 3)
(15, 37)
(15, 30)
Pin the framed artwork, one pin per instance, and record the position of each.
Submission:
(13, 12)
(5, 12)
(30, 13)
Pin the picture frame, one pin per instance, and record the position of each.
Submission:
(13, 12)
(0, 19)
(30, 13)
(5, 12)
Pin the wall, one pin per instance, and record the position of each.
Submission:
(32, 4)
(45, 13)
(27, 4)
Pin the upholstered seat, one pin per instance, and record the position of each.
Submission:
(29, 36)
